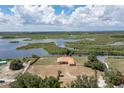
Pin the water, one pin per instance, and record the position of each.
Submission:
(8, 50)
(101, 58)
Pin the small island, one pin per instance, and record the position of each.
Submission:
(14, 41)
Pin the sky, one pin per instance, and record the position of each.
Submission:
(61, 18)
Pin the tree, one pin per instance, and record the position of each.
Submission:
(113, 77)
(94, 63)
(16, 65)
(35, 56)
(59, 74)
(92, 58)
(50, 82)
(28, 80)
(69, 52)
(84, 82)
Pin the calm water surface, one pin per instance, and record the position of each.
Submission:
(8, 50)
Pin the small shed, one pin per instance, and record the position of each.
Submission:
(66, 60)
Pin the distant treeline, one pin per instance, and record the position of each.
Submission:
(72, 32)
(117, 36)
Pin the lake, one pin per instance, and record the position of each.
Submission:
(8, 50)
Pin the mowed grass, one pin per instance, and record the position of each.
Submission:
(116, 63)
(52, 60)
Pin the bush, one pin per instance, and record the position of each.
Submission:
(84, 82)
(50, 82)
(16, 65)
(113, 77)
(69, 52)
(94, 63)
(28, 80)
(35, 56)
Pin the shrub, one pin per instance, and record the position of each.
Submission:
(94, 63)
(50, 82)
(69, 52)
(113, 77)
(16, 65)
(28, 80)
(84, 82)
(35, 56)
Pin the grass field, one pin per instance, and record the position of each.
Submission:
(51, 60)
(116, 63)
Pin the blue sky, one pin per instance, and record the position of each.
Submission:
(61, 18)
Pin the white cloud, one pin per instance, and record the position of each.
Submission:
(35, 14)
(81, 17)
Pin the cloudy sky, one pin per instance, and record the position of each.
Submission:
(61, 18)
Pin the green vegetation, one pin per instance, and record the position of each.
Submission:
(16, 65)
(116, 63)
(94, 63)
(50, 47)
(91, 47)
(117, 36)
(9, 37)
(101, 45)
(28, 80)
(112, 78)
(40, 35)
(35, 56)
(14, 41)
(69, 52)
(84, 82)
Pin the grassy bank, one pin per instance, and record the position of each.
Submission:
(50, 47)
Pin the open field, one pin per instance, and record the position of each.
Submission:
(116, 63)
(47, 66)
(51, 60)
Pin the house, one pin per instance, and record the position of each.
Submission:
(66, 60)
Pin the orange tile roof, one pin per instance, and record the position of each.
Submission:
(70, 60)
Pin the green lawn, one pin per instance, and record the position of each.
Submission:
(116, 63)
